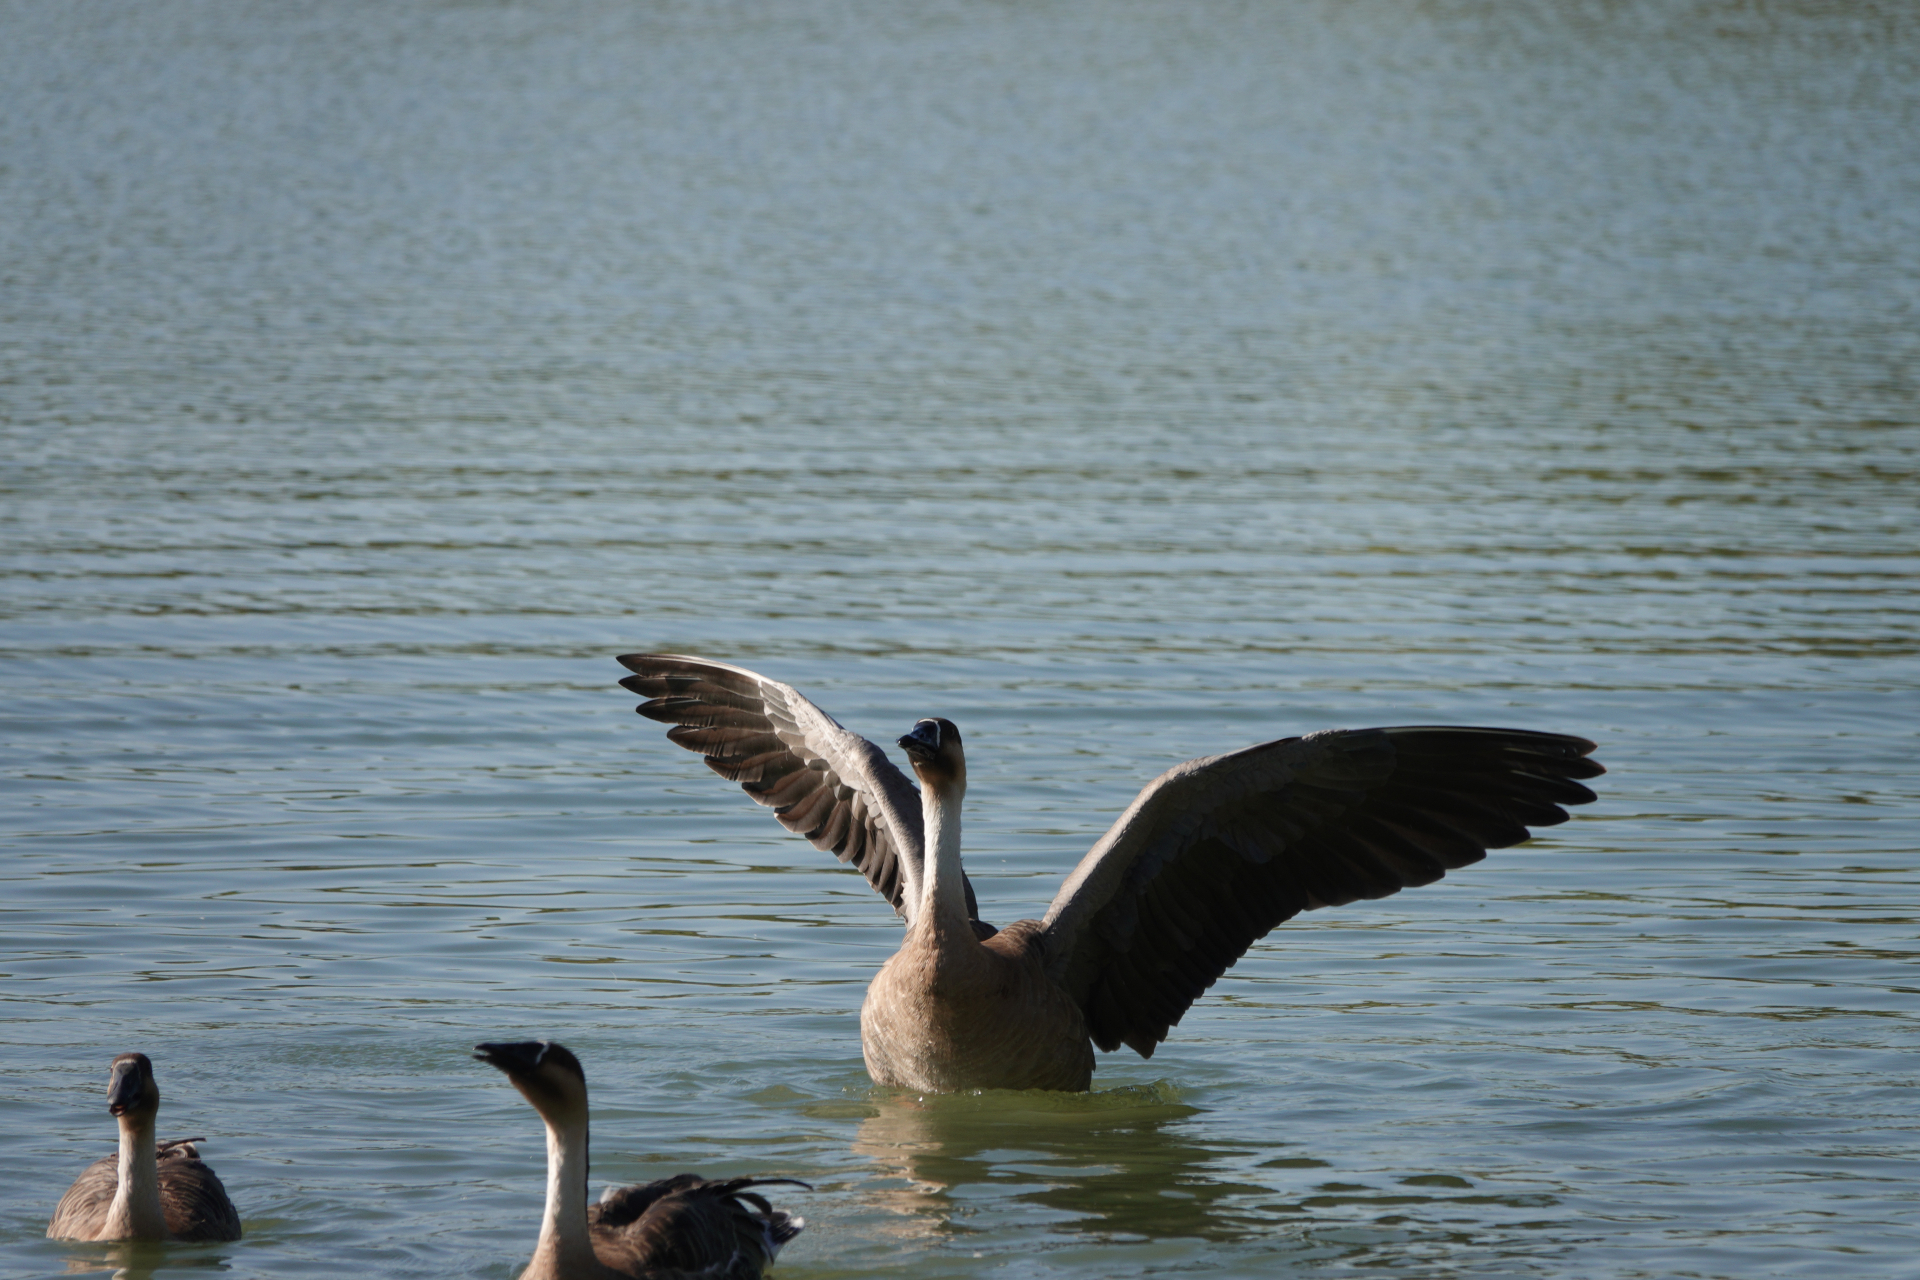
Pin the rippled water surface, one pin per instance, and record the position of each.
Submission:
(1128, 382)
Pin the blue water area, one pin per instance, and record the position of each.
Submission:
(1126, 382)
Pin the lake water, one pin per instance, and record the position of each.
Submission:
(1127, 382)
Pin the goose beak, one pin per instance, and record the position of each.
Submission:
(514, 1058)
(923, 740)
(123, 1092)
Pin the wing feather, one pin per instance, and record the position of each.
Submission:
(831, 786)
(191, 1195)
(82, 1211)
(687, 1225)
(1216, 852)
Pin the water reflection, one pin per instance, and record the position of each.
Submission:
(131, 1260)
(1116, 1162)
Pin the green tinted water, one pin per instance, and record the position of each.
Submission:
(1125, 382)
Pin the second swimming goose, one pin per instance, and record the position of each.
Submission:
(148, 1191)
(679, 1226)
(1209, 857)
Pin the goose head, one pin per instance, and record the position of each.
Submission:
(547, 1075)
(130, 1087)
(933, 748)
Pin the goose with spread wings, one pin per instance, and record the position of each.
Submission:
(1209, 857)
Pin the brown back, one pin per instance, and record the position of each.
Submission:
(688, 1224)
(192, 1198)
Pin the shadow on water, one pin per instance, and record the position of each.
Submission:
(1116, 1162)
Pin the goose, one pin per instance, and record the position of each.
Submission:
(682, 1226)
(146, 1192)
(1210, 856)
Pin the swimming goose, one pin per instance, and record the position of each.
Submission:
(1208, 858)
(678, 1226)
(147, 1192)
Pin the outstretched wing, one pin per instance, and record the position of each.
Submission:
(833, 787)
(1215, 852)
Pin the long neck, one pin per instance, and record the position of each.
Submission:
(943, 899)
(135, 1213)
(563, 1232)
